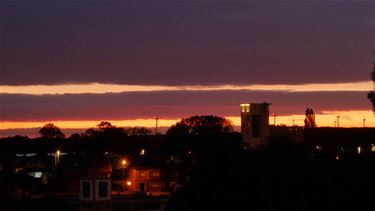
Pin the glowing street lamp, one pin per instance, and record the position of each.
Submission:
(142, 152)
(57, 157)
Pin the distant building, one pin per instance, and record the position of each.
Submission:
(143, 179)
(254, 124)
(350, 141)
(293, 133)
(96, 186)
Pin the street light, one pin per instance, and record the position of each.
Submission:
(142, 152)
(57, 157)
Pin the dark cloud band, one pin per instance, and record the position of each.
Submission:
(168, 104)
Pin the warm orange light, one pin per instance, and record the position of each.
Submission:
(143, 152)
(245, 107)
(351, 118)
(82, 124)
(124, 162)
(128, 183)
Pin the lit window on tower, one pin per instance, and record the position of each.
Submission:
(245, 107)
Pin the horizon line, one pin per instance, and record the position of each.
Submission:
(351, 118)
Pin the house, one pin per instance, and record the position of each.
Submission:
(143, 179)
(95, 185)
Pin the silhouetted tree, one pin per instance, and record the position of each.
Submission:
(105, 129)
(51, 131)
(179, 129)
(201, 125)
(75, 136)
(104, 125)
(138, 131)
(310, 118)
(90, 132)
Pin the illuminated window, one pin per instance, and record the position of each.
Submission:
(142, 174)
(35, 174)
(154, 174)
(245, 107)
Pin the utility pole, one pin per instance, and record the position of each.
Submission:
(156, 126)
(338, 124)
(274, 119)
(293, 122)
(364, 120)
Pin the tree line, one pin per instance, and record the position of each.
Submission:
(194, 125)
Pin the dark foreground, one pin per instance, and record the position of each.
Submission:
(117, 204)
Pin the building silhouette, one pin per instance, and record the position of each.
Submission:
(254, 124)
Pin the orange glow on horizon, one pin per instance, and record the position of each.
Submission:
(348, 119)
(352, 118)
(78, 124)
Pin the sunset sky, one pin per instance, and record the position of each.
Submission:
(76, 63)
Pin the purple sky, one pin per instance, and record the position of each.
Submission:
(181, 43)
(175, 42)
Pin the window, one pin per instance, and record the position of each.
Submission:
(102, 190)
(142, 174)
(86, 189)
(245, 107)
(255, 122)
(154, 174)
(103, 187)
(36, 174)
